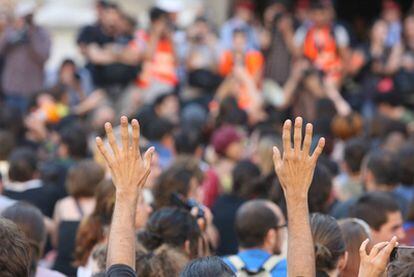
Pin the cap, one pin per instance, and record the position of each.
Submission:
(171, 6)
(224, 137)
(25, 8)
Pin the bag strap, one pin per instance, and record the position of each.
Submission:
(271, 263)
(237, 262)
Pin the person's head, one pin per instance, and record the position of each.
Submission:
(14, 251)
(257, 225)
(330, 248)
(379, 31)
(228, 142)
(67, 69)
(244, 10)
(111, 16)
(402, 267)
(6, 145)
(167, 106)
(188, 142)
(73, 143)
(206, 267)
(161, 130)
(159, 19)
(231, 113)
(321, 12)
(162, 262)
(354, 231)
(264, 153)
(391, 11)
(320, 190)
(29, 220)
(173, 227)
(382, 213)
(380, 171)
(239, 40)
(346, 127)
(409, 27)
(182, 180)
(405, 165)
(243, 174)
(22, 165)
(83, 179)
(354, 152)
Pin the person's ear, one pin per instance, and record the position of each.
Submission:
(187, 248)
(271, 238)
(343, 260)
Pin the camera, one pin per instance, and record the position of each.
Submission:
(188, 204)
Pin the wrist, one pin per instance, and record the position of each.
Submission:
(126, 195)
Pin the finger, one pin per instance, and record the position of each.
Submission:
(363, 249)
(103, 151)
(377, 248)
(297, 135)
(124, 134)
(277, 159)
(287, 127)
(308, 139)
(148, 157)
(135, 137)
(111, 139)
(386, 252)
(318, 149)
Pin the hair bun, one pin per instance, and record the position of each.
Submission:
(150, 240)
(323, 256)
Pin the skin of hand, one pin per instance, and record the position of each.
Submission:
(375, 263)
(129, 172)
(295, 172)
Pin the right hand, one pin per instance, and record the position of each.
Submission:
(128, 168)
(375, 264)
(295, 170)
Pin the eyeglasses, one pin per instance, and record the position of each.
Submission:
(281, 226)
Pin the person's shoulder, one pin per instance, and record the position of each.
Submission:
(280, 270)
(120, 270)
(45, 272)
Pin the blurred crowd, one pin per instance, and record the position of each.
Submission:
(211, 100)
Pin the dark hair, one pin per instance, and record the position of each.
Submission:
(328, 240)
(230, 113)
(6, 145)
(244, 173)
(253, 221)
(75, 138)
(159, 128)
(91, 230)
(354, 231)
(176, 179)
(373, 208)
(23, 165)
(383, 166)
(14, 251)
(187, 141)
(405, 165)
(402, 267)
(320, 190)
(354, 153)
(29, 220)
(173, 227)
(83, 178)
(206, 267)
(156, 14)
(162, 262)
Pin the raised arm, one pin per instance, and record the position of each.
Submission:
(129, 173)
(295, 172)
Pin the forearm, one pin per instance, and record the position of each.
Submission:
(301, 255)
(121, 245)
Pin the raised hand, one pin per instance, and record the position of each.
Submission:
(375, 264)
(128, 168)
(295, 169)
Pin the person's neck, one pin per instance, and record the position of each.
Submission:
(262, 248)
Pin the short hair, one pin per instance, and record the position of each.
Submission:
(23, 165)
(206, 267)
(244, 173)
(156, 14)
(253, 221)
(403, 266)
(320, 190)
(173, 227)
(383, 166)
(29, 220)
(406, 162)
(159, 128)
(14, 250)
(6, 145)
(76, 140)
(373, 208)
(328, 240)
(83, 179)
(354, 153)
(187, 141)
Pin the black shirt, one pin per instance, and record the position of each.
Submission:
(120, 270)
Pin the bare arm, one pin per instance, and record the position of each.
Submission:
(129, 173)
(295, 172)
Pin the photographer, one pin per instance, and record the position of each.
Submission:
(25, 48)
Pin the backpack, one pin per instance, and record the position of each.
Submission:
(265, 270)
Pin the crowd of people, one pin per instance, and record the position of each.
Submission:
(213, 180)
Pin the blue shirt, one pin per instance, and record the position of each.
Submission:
(255, 258)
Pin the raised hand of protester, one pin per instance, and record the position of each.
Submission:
(128, 167)
(296, 167)
(375, 263)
